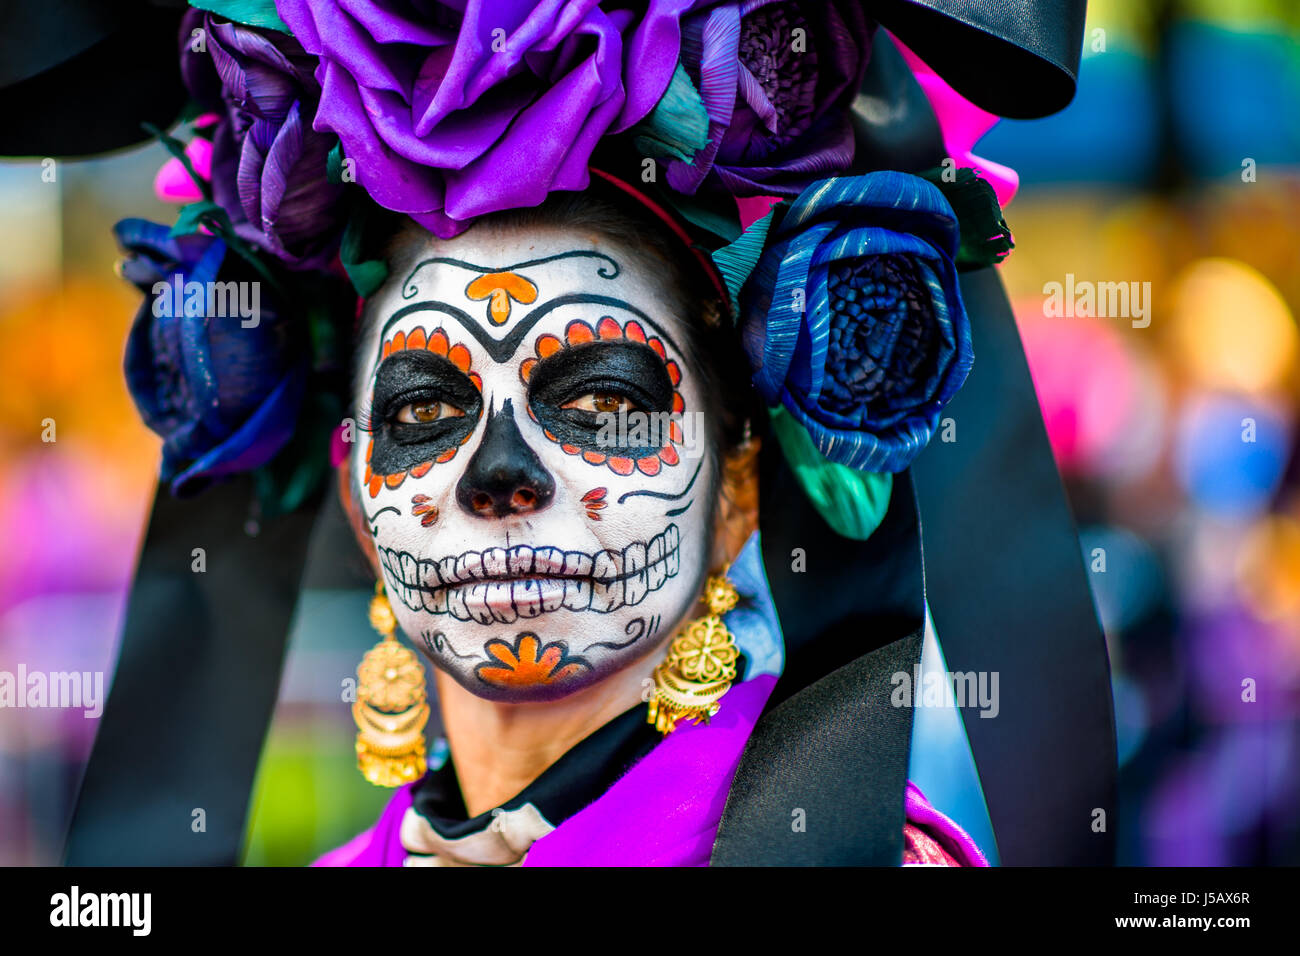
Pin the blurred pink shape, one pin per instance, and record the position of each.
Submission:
(173, 183)
(962, 124)
(1086, 384)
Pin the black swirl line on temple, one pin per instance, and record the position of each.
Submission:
(663, 494)
(637, 624)
(503, 350)
(409, 289)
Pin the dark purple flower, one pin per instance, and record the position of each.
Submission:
(269, 167)
(221, 386)
(853, 320)
(777, 79)
(455, 109)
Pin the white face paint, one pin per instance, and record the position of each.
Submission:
(529, 543)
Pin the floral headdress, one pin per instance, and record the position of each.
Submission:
(308, 114)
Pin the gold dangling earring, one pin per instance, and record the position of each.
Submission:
(391, 708)
(701, 663)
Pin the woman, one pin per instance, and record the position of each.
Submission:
(542, 553)
(644, 331)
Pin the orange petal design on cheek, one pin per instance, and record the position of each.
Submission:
(399, 341)
(395, 479)
(438, 342)
(419, 471)
(376, 482)
(477, 380)
(669, 455)
(674, 374)
(649, 466)
(370, 450)
(678, 404)
(418, 338)
(526, 369)
(607, 328)
(447, 455)
(658, 347)
(621, 466)
(634, 331)
(459, 356)
(594, 457)
(577, 332)
(675, 432)
(548, 345)
(569, 449)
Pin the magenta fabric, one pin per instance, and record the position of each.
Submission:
(663, 812)
(951, 837)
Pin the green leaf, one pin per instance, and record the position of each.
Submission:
(985, 237)
(194, 215)
(678, 126)
(736, 260)
(367, 275)
(253, 13)
(852, 502)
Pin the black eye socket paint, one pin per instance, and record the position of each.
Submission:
(415, 376)
(624, 367)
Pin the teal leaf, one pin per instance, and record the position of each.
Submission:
(253, 13)
(737, 260)
(852, 502)
(678, 126)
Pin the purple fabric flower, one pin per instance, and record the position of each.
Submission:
(853, 320)
(268, 164)
(455, 109)
(777, 79)
(222, 390)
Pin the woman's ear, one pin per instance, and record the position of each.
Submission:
(737, 514)
(352, 507)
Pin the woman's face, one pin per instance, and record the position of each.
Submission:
(529, 459)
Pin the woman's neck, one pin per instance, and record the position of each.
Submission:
(499, 749)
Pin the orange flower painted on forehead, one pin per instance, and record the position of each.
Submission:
(578, 332)
(499, 288)
(438, 343)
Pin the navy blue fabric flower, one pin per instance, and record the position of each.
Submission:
(223, 389)
(853, 319)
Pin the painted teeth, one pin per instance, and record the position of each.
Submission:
(602, 582)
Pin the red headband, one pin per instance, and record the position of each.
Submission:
(667, 218)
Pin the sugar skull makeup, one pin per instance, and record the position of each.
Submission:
(526, 465)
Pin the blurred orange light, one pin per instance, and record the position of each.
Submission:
(1231, 327)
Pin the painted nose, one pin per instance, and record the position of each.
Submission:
(504, 476)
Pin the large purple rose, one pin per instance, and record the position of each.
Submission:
(777, 79)
(222, 386)
(455, 109)
(268, 163)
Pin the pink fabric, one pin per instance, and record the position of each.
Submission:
(173, 183)
(962, 124)
(754, 208)
(663, 812)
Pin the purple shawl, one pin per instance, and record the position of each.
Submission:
(663, 812)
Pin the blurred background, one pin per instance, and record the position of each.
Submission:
(1177, 165)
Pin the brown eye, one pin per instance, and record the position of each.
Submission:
(602, 402)
(419, 413)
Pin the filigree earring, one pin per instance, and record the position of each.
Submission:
(391, 708)
(700, 666)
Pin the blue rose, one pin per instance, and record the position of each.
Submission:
(212, 364)
(853, 320)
